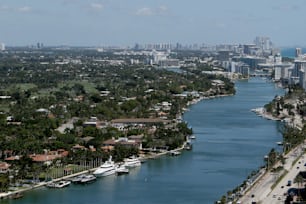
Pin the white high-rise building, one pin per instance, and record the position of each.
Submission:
(2, 46)
(277, 73)
(298, 52)
(263, 43)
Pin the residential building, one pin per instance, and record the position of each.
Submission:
(4, 167)
(298, 52)
(2, 46)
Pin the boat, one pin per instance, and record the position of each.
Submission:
(279, 143)
(122, 170)
(88, 179)
(192, 137)
(131, 162)
(78, 178)
(106, 169)
(60, 184)
(174, 153)
(17, 196)
(188, 146)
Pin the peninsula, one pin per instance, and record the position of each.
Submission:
(65, 112)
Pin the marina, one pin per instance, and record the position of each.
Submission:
(224, 130)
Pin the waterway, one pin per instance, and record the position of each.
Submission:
(231, 142)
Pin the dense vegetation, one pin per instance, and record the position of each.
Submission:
(46, 88)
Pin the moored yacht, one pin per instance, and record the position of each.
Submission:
(88, 179)
(78, 178)
(120, 170)
(132, 162)
(106, 169)
(60, 184)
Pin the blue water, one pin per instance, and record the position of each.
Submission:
(231, 141)
(290, 52)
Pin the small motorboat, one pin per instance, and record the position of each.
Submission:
(122, 170)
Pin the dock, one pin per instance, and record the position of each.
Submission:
(12, 194)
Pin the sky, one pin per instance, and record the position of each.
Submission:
(126, 22)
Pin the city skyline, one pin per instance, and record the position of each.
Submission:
(124, 23)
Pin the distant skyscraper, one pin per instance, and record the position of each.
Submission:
(2, 46)
(263, 42)
(298, 52)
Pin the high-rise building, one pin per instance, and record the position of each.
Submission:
(263, 43)
(298, 52)
(2, 46)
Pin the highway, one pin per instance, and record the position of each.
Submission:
(261, 191)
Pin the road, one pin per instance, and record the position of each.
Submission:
(261, 191)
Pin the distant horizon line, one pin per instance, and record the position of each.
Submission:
(132, 46)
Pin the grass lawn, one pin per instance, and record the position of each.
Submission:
(23, 87)
(88, 86)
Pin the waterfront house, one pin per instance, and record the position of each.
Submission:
(139, 121)
(110, 144)
(49, 156)
(12, 158)
(94, 122)
(4, 167)
(78, 147)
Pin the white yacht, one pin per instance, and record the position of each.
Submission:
(78, 178)
(88, 179)
(132, 162)
(106, 169)
(120, 170)
(60, 184)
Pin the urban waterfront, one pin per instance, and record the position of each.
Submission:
(231, 141)
(290, 51)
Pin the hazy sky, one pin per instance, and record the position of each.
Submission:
(125, 22)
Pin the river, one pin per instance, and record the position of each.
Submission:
(231, 142)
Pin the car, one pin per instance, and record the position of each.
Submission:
(274, 196)
(289, 183)
(297, 167)
(282, 186)
(279, 198)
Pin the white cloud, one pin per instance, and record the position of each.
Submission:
(220, 25)
(163, 8)
(4, 8)
(96, 6)
(24, 9)
(286, 7)
(144, 12)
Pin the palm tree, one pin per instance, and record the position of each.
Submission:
(299, 179)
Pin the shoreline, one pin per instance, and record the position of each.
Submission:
(296, 121)
(143, 158)
(11, 194)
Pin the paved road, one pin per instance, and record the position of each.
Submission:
(277, 194)
(262, 192)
